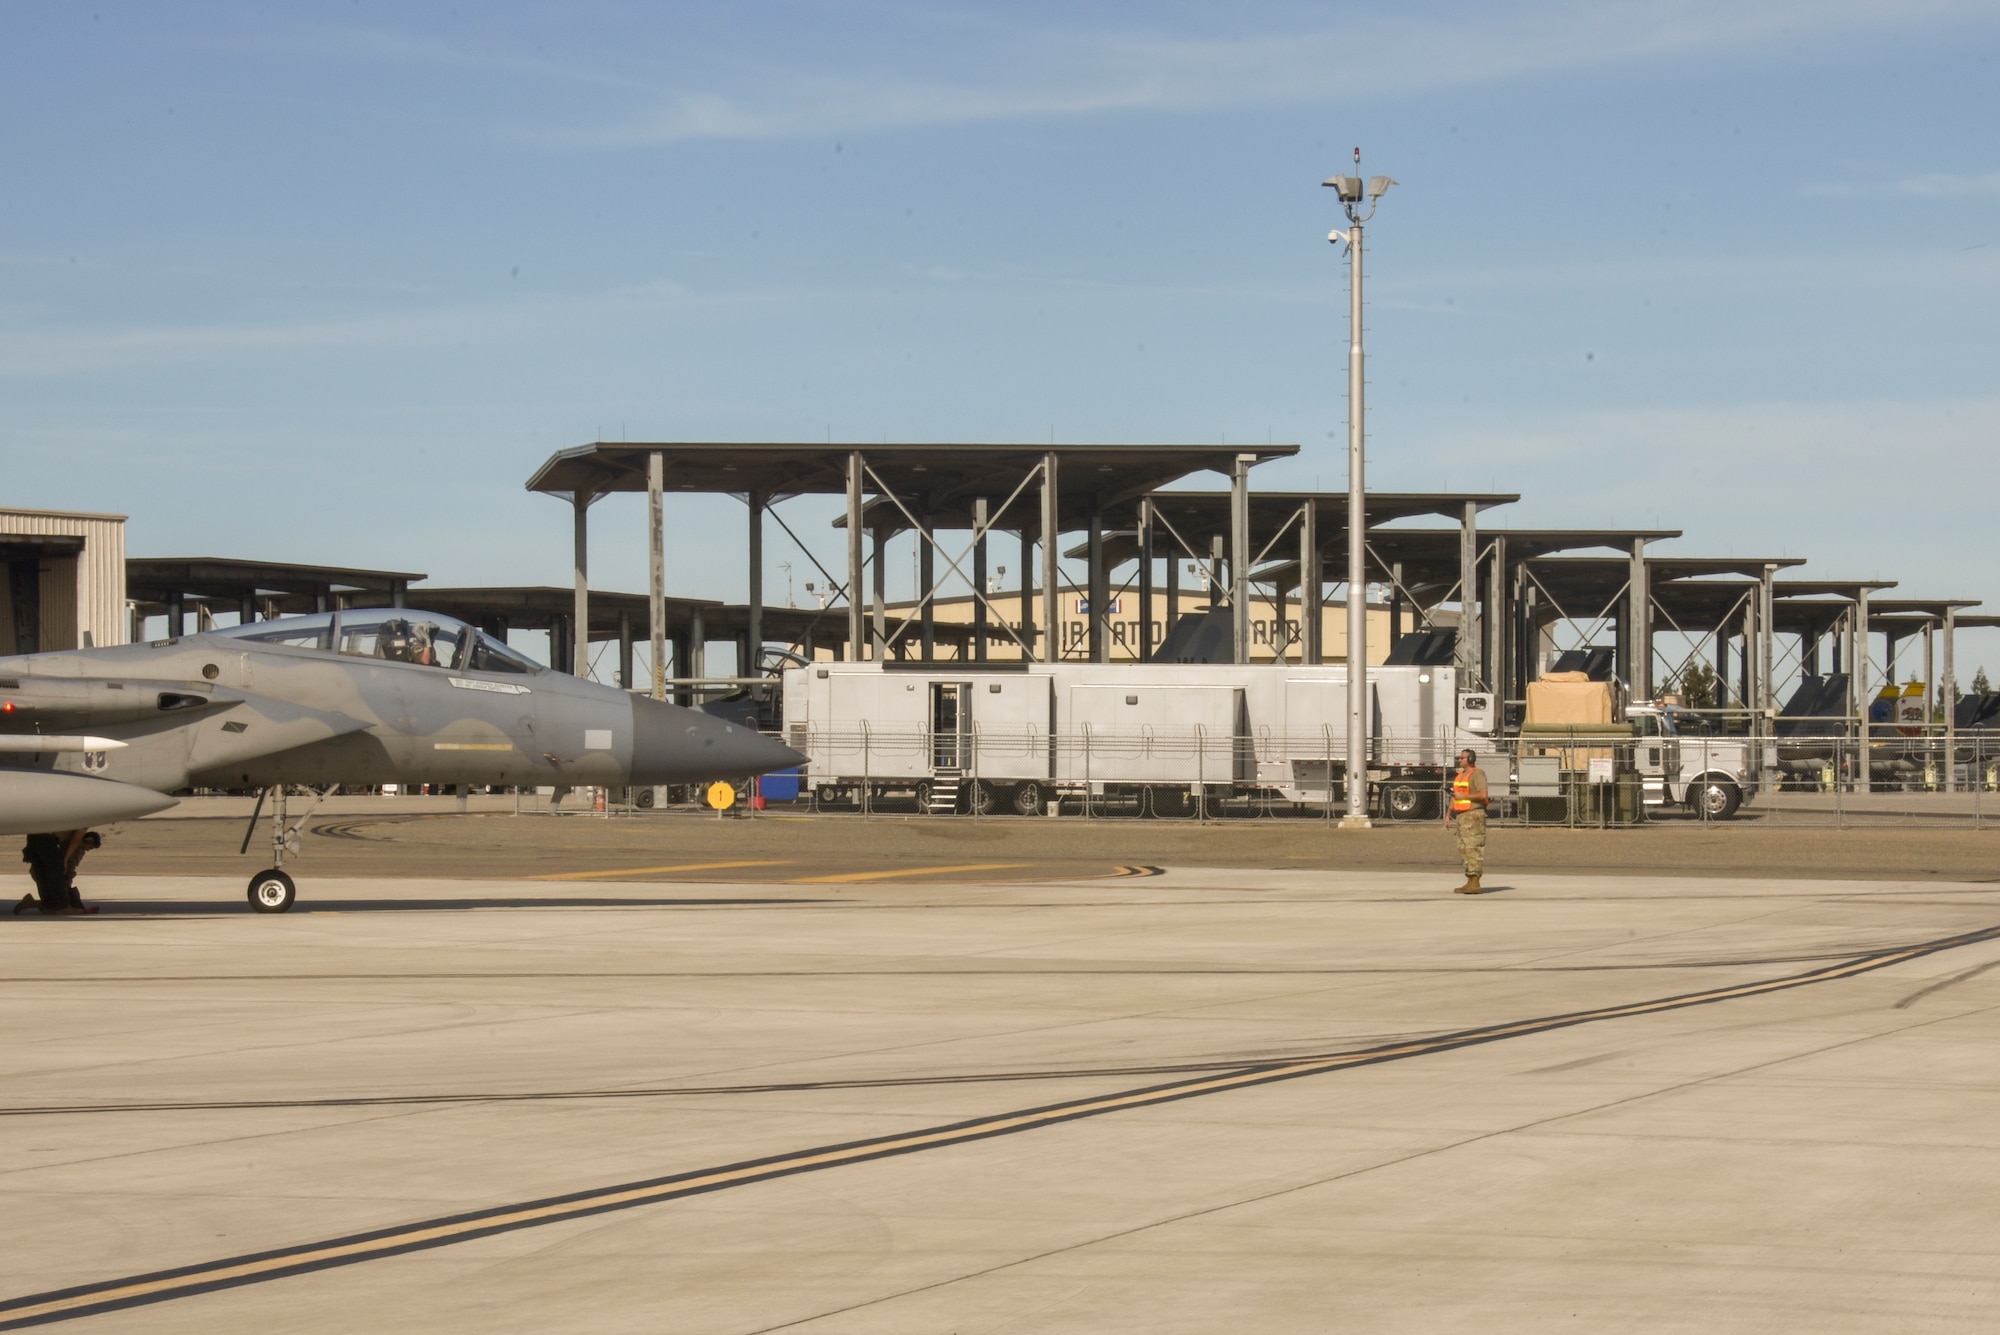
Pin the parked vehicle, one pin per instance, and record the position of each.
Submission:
(987, 736)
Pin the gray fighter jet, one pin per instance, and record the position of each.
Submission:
(370, 696)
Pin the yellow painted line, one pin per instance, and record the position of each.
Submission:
(649, 871)
(35, 1309)
(472, 746)
(850, 876)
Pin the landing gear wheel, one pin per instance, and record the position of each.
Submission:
(1028, 799)
(272, 891)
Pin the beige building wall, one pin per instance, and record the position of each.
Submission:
(82, 594)
(1269, 632)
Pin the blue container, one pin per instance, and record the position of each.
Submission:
(782, 786)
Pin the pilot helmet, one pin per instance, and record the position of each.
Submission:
(393, 639)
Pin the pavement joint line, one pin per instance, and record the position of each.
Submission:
(851, 877)
(609, 872)
(231, 1272)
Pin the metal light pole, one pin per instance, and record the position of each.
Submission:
(1350, 191)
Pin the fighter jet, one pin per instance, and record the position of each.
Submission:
(370, 696)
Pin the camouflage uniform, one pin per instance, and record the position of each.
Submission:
(1469, 827)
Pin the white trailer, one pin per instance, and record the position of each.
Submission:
(979, 736)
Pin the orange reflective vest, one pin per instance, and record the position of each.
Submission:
(1461, 792)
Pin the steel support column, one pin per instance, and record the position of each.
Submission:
(1499, 609)
(1099, 584)
(752, 661)
(1471, 672)
(1641, 597)
(854, 557)
(656, 568)
(1051, 554)
(880, 649)
(1145, 620)
(1311, 631)
(1950, 699)
(927, 591)
(1030, 651)
(979, 579)
(1239, 554)
(580, 618)
(625, 648)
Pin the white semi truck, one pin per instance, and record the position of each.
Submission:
(990, 736)
(1680, 761)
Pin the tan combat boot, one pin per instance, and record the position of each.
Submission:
(1471, 887)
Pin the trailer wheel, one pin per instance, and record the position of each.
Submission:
(1716, 799)
(1028, 799)
(827, 795)
(923, 797)
(1406, 801)
(979, 798)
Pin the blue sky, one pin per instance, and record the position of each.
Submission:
(326, 283)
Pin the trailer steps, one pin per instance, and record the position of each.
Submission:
(943, 795)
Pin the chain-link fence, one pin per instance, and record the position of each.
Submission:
(1715, 768)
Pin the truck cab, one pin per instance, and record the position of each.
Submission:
(1680, 761)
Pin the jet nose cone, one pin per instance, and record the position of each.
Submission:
(675, 745)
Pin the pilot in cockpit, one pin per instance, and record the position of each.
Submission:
(396, 640)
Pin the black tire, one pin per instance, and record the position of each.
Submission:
(1028, 799)
(827, 795)
(642, 798)
(980, 798)
(923, 797)
(271, 891)
(1715, 799)
(1406, 801)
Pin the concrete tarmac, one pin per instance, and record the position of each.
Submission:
(1203, 1099)
(427, 837)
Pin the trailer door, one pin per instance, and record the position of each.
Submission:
(951, 720)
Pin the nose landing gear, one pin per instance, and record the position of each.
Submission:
(270, 890)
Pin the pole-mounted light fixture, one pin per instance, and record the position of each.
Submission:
(1351, 191)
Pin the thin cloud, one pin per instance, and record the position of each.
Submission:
(1929, 185)
(1066, 71)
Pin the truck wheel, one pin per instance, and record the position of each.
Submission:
(923, 797)
(1406, 801)
(979, 799)
(1028, 799)
(642, 798)
(1717, 799)
(826, 795)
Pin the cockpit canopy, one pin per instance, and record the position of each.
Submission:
(397, 634)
